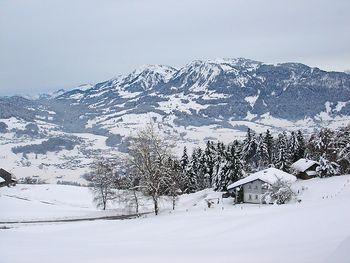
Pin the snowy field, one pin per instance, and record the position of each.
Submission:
(315, 230)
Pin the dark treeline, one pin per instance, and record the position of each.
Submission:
(218, 165)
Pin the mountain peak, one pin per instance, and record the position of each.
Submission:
(164, 71)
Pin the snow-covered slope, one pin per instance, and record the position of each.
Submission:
(315, 230)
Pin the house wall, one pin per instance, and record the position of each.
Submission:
(252, 192)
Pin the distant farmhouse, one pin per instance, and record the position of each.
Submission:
(6, 178)
(253, 186)
(304, 168)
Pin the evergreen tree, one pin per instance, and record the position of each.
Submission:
(343, 149)
(325, 144)
(191, 174)
(326, 167)
(221, 170)
(201, 173)
(209, 162)
(249, 148)
(236, 168)
(262, 152)
(185, 173)
(301, 145)
(282, 158)
(184, 159)
(269, 146)
(218, 160)
(229, 167)
(294, 147)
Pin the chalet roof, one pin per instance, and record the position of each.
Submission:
(270, 176)
(2, 180)
(303, 164)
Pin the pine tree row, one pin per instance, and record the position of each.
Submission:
(219, 165)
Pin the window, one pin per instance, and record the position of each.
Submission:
(256, 197)
(256, 187)
(250, 197)
(249, 186)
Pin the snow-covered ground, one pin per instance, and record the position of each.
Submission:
(315, 230)
(51, 202)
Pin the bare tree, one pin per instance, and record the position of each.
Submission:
(149, 154)
(174, 180)
(131, 195)
(102, 180)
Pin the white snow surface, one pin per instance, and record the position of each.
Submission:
(313, 231)
(303, 164)
(41, 202)
(269, 175)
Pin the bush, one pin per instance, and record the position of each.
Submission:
(31, 180)
(69, 183)
(279, 193)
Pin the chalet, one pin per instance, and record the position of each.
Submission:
(255, 185)
(6, 179)
(304, 168)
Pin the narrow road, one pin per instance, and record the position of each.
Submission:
(118, 217)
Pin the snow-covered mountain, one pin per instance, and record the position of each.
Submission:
(214, 99)
(221, 91)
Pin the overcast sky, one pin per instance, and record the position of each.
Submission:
(47, 44)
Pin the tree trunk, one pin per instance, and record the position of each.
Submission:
(156, 208)
(136, 202)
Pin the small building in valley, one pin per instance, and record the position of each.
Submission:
(6, 178)
(254, 186)
(304, 168)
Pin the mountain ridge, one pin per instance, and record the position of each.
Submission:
(218, 90)
(211, 91)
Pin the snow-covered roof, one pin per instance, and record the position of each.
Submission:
(1, 180)
(303, 164)
(270, 176)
